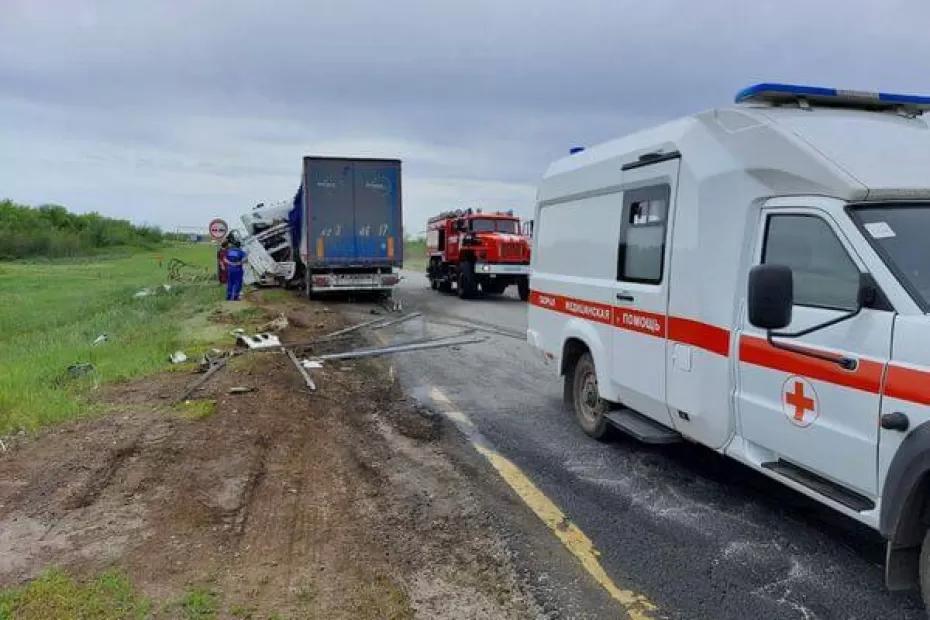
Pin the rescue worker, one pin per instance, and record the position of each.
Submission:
(235, 257)
(221, 274)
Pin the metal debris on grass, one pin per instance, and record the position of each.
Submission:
(178, 357)
(81, 369)
(241, 389)
(181, 271)
(276, 324)
(214, 368)
(100, 340)
(303, 372)
(259, 341)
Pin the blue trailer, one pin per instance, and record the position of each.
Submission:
(347, 222)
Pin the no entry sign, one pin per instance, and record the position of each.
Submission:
(218, 229)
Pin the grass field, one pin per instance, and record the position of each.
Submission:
(52, 311)
(415, 254)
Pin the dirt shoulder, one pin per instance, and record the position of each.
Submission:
(339, 504)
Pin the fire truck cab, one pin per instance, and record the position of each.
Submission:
(472, 250)
(756, 279)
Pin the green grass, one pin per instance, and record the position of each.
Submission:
(54, 595)
(196, 409)
(415, 254)
(199, 604)
(52, 311)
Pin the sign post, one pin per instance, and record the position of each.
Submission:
(218, 229)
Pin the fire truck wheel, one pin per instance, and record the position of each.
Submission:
(523, 287)
(466, 282)
(590, 408)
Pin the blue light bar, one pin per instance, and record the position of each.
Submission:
(785, 93)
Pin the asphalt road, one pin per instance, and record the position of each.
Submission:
(699, 535)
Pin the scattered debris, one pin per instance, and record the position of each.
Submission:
(80, 369)
(2, 446)
(403, 347)
(181, 271)
(259, 341)
(277, 324)
(392, 305)
(211, 357)
(100, 339)
(214, 368)
(351, 328)
(311, 364)
(241, 389)
(237, 332)
(146, 292)
(303, 373)
(178, 357)
(401, 319)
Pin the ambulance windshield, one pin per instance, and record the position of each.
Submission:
(901, 233)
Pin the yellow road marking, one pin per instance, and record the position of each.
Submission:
(636, 605)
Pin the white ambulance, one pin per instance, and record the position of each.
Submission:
(756, 279)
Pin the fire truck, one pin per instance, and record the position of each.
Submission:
(477, 251)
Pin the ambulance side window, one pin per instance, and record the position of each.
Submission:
(642, 234)
(824, 274)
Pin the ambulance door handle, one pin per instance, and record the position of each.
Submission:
(624, 296)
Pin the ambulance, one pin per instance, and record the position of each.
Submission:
(756, 279)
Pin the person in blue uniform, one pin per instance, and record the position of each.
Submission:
(235, 257)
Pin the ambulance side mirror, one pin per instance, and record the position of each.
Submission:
(770, 296)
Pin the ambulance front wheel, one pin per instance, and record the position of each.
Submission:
(590, 408)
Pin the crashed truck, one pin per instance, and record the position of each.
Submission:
(342, 232)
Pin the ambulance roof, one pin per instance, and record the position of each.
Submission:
(848, 153)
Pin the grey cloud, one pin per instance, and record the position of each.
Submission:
(173, 111)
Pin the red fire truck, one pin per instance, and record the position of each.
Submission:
(473, 250)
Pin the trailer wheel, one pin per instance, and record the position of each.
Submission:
(590, 408)
(523, 287)
(467, 284)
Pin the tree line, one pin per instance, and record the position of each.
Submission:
(52, 231)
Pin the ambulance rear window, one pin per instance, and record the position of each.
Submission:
(641, 251)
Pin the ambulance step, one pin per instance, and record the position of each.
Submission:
(642, 428)
(836, 492)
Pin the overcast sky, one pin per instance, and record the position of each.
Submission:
(174, 112)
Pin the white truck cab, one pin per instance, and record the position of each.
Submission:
(756, 279)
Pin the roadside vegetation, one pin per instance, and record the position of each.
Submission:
(415, 253)
(52, 312)
(50, 231)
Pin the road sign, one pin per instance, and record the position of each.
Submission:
(218, 228)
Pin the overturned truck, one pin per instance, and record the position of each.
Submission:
(343, 231)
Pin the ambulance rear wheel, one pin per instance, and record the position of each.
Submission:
(590, 408)
(925, 570)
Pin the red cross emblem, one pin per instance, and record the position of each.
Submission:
(799, 401)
